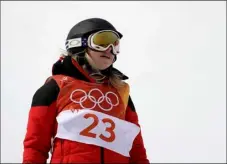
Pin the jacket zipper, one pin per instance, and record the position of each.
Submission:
(102, 155)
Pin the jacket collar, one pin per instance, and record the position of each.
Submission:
(69, 67)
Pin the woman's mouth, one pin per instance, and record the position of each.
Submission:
(107, 57)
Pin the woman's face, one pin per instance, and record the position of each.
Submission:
(102, 60)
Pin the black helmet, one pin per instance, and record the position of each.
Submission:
(86, 27)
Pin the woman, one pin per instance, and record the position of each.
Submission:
(83, 113)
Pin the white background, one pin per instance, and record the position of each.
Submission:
(173, 52)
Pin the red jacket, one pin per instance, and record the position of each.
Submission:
(53, 98)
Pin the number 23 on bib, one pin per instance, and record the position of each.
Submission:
(92, 127)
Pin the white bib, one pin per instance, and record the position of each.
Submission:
(92, 127)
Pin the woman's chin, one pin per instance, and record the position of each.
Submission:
(104, 66)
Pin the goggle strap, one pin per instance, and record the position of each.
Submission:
(76, 42)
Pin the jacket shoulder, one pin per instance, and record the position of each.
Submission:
(46, 94)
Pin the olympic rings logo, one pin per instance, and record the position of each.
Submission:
(96, 100)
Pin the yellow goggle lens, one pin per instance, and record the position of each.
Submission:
(105, 38)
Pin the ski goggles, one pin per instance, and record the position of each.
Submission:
(99, 41)
(102, 40)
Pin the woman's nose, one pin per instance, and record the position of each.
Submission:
(109, 49)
